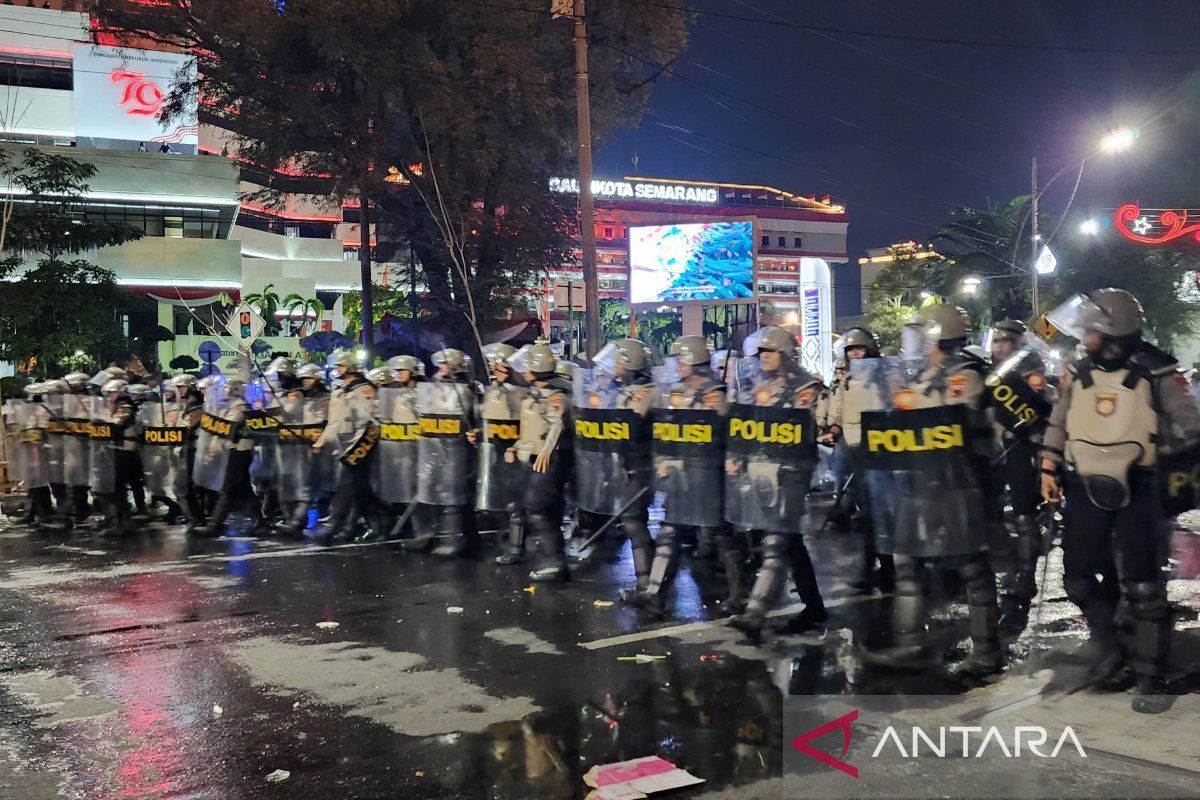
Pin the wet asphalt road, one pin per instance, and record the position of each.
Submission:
(163, 667)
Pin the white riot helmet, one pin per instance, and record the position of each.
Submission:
(235, 387)
(116, 386)
(58, 386)
(632, 354)
(34, 389)
(498, 352)
(691, 350)
(76, 379)
(540, 360)
(453, 357)
(410, 363)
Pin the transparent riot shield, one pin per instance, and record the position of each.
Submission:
(612, 445)
(56, 436)
(32, 421)
(263, 416)
(689, 445)
(102, 434)
(162, 439)
(214, 441)
(394, 472)
(302, 420)
(499, 482)
(1018, 393)
(921, 473)
(444, 474)
(771, 452)
(77, 449)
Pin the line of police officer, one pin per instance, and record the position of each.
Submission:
(938, 440)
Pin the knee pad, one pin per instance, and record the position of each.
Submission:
(1148, 601)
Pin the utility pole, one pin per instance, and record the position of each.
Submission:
(1033, 263)
(364, 270)
(587, 208)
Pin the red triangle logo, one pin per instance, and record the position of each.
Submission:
(843, 723)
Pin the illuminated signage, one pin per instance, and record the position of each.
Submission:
(625, 190)
(119, 92)
(1160, 228)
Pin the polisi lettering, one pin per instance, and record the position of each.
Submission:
(365, 445)
(308, 433)
(434, 426)
(162, 436)
(692, 433)
(216, 426)
(100, 430)
(605, 431)
(507, 431)
(754, 430)
(903, 440)
(1004, 396)
(266, 423)
(399, 431)
(1180, 480)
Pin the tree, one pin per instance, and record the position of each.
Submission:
(1163, 280)
(185, 363)
(305, 306)
(58, 309)
(993, 243)
(387, 300)
(900, 289)
(267, 304)
(483, 98)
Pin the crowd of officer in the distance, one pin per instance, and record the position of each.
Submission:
(953, 459)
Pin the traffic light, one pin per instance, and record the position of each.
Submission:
(244, 321)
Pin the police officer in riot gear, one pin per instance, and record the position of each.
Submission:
(1124, 408)
(765, 489)
(304, 408)
(496, 483)
(543, 453)
(350, 435)
(77, 449)
(845, 426)
(1024, 378)
(933, 511)
(190, 403)
(33, 421)
(120, 441)
(235, 494)
(447, 407)
(689, 471)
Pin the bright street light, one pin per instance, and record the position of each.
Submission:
(792, 318)
(1089, 227)
(970, 285)
(1118, 140)
(926, 295)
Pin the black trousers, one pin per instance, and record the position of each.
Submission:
(1023, 476)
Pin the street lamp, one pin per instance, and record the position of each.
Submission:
(1089, 227)
(1118, 140)
(970, 285)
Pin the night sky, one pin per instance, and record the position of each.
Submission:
(901, 131)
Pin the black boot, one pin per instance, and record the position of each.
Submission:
(1152, 642)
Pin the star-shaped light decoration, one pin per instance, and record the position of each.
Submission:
(1141, 226)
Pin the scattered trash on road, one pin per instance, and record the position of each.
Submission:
(641, 658)
(636, 779)
(278, 776)
(603, 603)
(218, 711)
(454, 609)
(327, 625)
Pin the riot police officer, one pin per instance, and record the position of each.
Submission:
(447, 408)
(304, 411)
(115, 437)
(767, 480)
(33, 421)
(1124, 407)
(931, 509)
(1018, 374)
(233, 488)
(497, 482)
(845, 427)
(76, 447)
(350, 435)
(190, 404)
(543, 453)
(689, 471)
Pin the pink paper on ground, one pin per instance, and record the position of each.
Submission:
(627, 771)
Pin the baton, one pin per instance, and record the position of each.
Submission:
(1047, 546)
(395, 531)
(837, 501)
(611, 520)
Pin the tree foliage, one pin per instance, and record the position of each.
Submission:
(59, 306)
(448, 116)
(899, 290)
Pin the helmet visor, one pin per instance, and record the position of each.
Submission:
(1076, 316)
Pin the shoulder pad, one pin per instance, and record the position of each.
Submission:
(965, 361)
(560, 384)
(1154, 361)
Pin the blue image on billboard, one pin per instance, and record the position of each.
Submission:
(693, 261)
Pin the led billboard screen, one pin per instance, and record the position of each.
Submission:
(706, 261)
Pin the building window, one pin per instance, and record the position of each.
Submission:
(783, 241)
(608, 232)
(766, 240)
(798, 242)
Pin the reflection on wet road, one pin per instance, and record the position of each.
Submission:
(160, 667)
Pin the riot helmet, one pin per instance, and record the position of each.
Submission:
(381, 376)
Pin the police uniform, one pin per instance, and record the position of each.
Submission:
(349, 432)
(236, 494)
(1120, 412)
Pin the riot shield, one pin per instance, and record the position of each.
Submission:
(162, 438)
(499, 482)
(1017, 393)
(214, 441)
(263, 417)
(56, 435)
(32, 421)
(612, 445)
(394, 472)
(925, 497)
(444, 473)
(689, 448)
(301, 422)
(102, 434)
(77, 448)
(771, 451)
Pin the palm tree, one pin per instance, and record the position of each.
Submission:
(295, 304)
(993, 244)
(267, 302)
